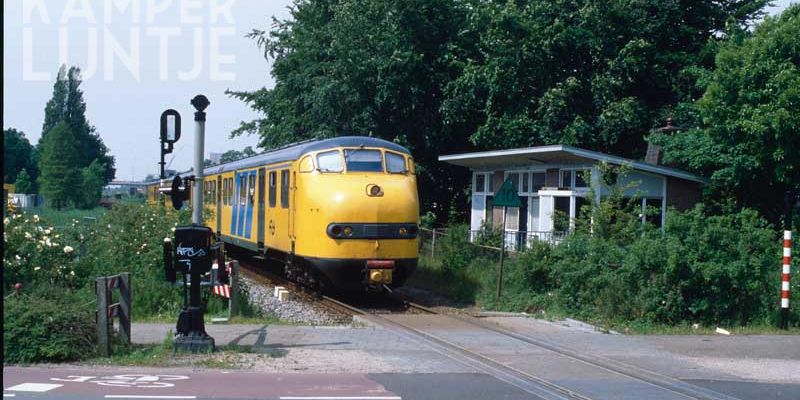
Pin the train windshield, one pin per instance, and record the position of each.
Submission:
(329, 161)
(395, 163)
(360, 160)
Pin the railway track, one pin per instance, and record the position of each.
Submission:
(399, 321)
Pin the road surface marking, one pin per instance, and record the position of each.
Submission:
(139, 396)
(340, 398)
(33, 387)
(8, 395)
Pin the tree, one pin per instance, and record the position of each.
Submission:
(443, 76)
(93, 182)
(747, 140)
(233, 155)
(18, 155)
(60, 178)
(594, 74)
(68, 105)
(23, 184)
(364, 67)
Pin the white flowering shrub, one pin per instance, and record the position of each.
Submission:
(35, 253)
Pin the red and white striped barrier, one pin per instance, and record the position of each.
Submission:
(787, 268)
(222, 290)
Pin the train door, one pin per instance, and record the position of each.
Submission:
(284, 210)
(273, 202)
(262, 212)
(218, 192)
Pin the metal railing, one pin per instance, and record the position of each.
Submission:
(521, 240)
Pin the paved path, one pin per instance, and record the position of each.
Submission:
(375, 363)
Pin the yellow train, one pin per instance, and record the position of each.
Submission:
(339, 213)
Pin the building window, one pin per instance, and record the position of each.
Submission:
(526, 184)
(652, 211)
(566, 178)
(538, 181)
(480, 183)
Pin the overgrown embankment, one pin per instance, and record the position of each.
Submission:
(52, 317)
(711, 270)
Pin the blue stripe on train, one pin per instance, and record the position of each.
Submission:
(249, 218)
(235, 204)
(242, 207)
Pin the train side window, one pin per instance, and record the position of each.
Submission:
(395, 163)
(272, 188)
(306, 164)
(230, 191)
(251, 188)
(285, 188)
(242, 190)
(225, 192)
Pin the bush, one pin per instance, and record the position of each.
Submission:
(711, 269)
(47, 326)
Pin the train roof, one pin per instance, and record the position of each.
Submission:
(295, 151)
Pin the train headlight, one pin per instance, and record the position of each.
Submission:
(348, 231)
(374, 190)
(336, 230)
(403, 231)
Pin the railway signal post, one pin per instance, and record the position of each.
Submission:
(193, 251)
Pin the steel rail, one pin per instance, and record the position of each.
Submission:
(653, 378)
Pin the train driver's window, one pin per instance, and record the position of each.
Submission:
(329, 161)
(395, 163)
(285, 188)
(306, 164)
(272, 188)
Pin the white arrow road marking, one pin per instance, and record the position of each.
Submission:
(33, 387)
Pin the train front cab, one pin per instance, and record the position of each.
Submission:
(357, 209)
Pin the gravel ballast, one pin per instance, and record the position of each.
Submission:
(294, 310)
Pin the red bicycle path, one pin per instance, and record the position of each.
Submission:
(202, 384)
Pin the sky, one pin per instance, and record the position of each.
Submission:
(141, 57)
(137, 63)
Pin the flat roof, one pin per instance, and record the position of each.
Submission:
(558, 154)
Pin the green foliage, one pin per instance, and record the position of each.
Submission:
(37, 254)
(18, 156)
(747, 140)
(67, 105)
(447, 77)
(93, 182)
(701, 268)
(60, 180)
(365, 67)
(129, 238)
(23, 184)
(47, 326)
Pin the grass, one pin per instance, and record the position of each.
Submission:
(64, 217)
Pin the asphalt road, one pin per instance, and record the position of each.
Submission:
(87, 383)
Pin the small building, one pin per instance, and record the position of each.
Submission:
(554, 181)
